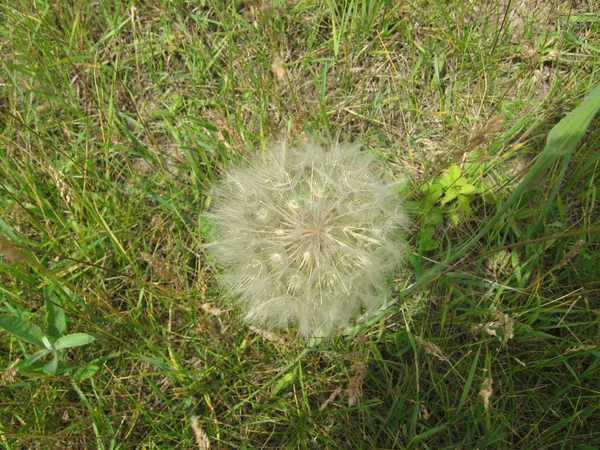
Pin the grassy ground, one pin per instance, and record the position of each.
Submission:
(115, 116)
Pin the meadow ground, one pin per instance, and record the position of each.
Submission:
(116, 117)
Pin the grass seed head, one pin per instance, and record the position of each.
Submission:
(307, 236)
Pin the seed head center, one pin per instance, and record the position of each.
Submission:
(313, 231)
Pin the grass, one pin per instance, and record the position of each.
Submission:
(115, 117)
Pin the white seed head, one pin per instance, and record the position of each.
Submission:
(307, 236)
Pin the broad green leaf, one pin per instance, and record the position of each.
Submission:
(73, 340)
(450, 177)
(426, 233)
(23, 329)
(450, 195)
(51, 367)
(428, 245)
(426, 241)
(467, 189)
(464, 203)
(88, 370)
(433, 217)
(433, 195)
(454, 218)
(460, 182)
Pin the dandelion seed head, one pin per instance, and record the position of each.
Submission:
(307, 236)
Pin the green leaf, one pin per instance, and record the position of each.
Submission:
(433, 217)
(284, 382)
(467, 189)
(47, 343)
(450, 195)
(426, 435)
(523, 330)
(562, 140)
(156, 362)
(433, 195)
(428, 245)
(450, 177)
(23, 329)
(426, 241)
(464, 203)
(37, 355)
(56, 319)
(91, 368)
(51, 367)
(86, 371)
(460, 182)
(454, 218)
(73, 340)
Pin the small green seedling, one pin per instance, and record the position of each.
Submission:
(453, 191)
(447, 196)
(55, 343)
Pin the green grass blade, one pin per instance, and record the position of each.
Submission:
(470, 378)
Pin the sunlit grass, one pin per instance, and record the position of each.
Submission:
(115, 117)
